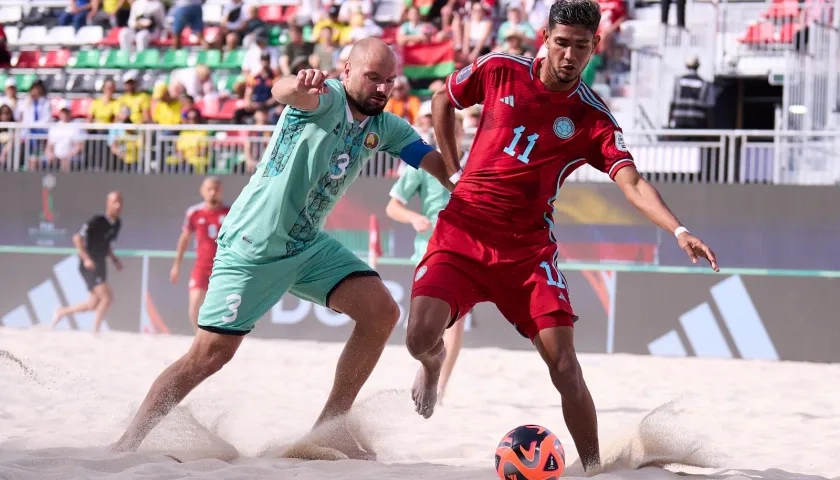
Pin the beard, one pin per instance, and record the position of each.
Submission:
(366, 106)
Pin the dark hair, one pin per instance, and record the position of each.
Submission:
(585, 13)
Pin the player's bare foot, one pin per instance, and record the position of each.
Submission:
(425, 389)
(56, 318)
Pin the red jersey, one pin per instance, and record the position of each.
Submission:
(529, 139)
(205, 224)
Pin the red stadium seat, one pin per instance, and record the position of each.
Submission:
(28, 59)
(55, 59)
(80, 107)
(55, 105)
(787, 32)
(228, 109)
(271, 14)
(112, 39)
(758, 33)
(782, 10)
(289, 13)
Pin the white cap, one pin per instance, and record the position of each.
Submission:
(11, 82)
(425, 108)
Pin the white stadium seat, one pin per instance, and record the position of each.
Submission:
(89, 35)
(35, 35)
(10, 14)
(12, 34)
(60, 36)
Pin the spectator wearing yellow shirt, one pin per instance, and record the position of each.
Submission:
(105, 108)
(138, 102)
(167, 106)
(192, 145)
(333, 23)
(117, 11)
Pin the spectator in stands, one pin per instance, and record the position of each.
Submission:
(360, 27)
(423, 123)
(166, 109)
(233, 17)
(515, 44)
(332, 22)
(350, 7)
(137, 102)
(258, 91)
(187, 104)
(104, 108)
(146, 21)
(253, 61)
(79, 13)
(64, 141)
(325, 54)
(187, 13)
(7, 115)
(665, 9)
(123, 144)
(192, 145)
(35, 109)
(414, 30)
(515, 25)
(402, 103)
(193, 80)
(11, 97)
(477, 36)
(296, 51)
(118, 11)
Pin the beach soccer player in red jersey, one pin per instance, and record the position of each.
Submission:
(493, 242)
(204, 220)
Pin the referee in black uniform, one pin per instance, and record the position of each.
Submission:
(93, 242)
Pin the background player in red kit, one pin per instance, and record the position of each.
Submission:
(493, 242)
(204, 220)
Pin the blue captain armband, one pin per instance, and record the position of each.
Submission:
(414, 152)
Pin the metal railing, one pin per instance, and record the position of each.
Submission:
(673, 156)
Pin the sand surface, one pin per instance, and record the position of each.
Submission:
(64, 396)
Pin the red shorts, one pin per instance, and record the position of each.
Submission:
(466, 264)
(200, 276)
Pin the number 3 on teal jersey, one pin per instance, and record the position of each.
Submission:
(517, 135)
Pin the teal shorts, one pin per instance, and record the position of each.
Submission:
(242, 291)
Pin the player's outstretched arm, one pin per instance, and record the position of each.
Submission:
(442, 170)
(647, 200)
(301, 91)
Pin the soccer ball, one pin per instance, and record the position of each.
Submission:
(530, 452)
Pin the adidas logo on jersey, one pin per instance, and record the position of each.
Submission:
(507, 100)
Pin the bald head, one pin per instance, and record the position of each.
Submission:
(369, 76)
(211, 191)
(371, 50)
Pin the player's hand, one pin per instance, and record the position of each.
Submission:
(421, 224)
(88, 263)
(173, 275)
(694, 248)
(312, 81)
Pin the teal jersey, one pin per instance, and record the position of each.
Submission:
(433, 198)
(311, 160)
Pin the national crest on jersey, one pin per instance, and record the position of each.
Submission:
(529, 139)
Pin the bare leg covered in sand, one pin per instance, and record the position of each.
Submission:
(365, 299)
(99, 301)
(556, 347)
(426, 324)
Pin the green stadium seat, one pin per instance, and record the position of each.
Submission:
(149, 58)
(85, 59)
(228, 82)
(116, 58)
(211, 58)
(233, 59)
(25, 81)
(175, 59)
(277, 36)
(307, 34)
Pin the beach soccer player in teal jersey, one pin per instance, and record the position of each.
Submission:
(273, 241)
